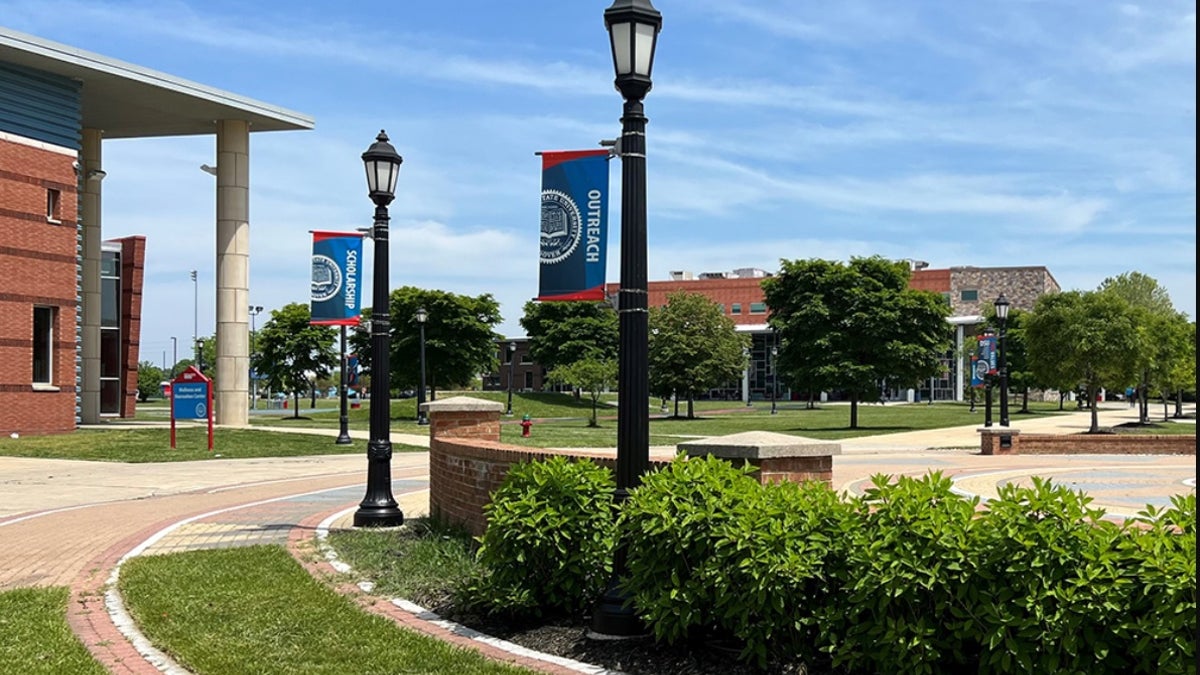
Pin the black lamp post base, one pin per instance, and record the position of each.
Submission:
(343, 439)
(423, 421)
(612, 620)
(378, 516)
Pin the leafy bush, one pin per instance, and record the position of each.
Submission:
(907, 562)
(549, 539)
(1048, 585)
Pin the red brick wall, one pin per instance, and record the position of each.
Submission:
(38, 266)
(1090, 444)
(133, 265)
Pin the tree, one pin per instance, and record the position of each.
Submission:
(460, 341)
(1153, 315)
(852, 326)
(594, 376)
(561, 333)
(693, 347)
(150, 378)
(1173, 368)
(289, 347)
(1083, 338)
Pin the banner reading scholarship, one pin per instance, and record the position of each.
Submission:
(336, 260)
(574, 232)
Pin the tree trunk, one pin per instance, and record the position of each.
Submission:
(1024, 401)
(1095, 428)
(676, 397)
(1165, 411)
(595, 403)
(691, 411)
(854, 410)
(296, 404)
(312, 390)
(1179, 404)
(1062, 396)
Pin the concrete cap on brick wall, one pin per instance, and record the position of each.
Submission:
(760, 445)
(462, 404)
(999, 431)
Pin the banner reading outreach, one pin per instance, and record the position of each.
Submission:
(574, 224)
(336, 260)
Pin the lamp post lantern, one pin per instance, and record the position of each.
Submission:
(421, 316)
(1001, 306)
(774, 353)
(633, 27)
(512, 355)
(378, 508)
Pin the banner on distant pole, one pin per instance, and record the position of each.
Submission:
(336, 260)
(985, 364)
(574, 233)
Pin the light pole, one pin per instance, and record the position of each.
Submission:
(1001, 306)
(774, 353)
(255, 310)
(196, 316)
(378, 508)
(633, 27)
(512, 355)
(174, 355)
(343, 437)
(422, 417)
(987, 394)
(746, 376)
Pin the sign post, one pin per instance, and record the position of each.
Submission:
(191, 399)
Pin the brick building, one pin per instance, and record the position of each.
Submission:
(70, 302)
(739, 293)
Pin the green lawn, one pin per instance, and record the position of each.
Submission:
(35, 637)
(154, 445)
(255, 610)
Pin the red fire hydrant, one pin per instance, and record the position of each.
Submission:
(525, 424)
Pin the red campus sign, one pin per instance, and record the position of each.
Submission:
(191, 399)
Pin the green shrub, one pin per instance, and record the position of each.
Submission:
(1158, 626)
(907, 561)
(549, 539)
(1049, 584)
(672, 525)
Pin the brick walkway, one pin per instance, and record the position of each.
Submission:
(70, 523)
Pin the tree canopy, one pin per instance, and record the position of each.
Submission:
(460, 342)
(561, 333)
(693, 347)
(851, 326)
(594, 376)
(289, 348)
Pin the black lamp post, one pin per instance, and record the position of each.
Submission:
(746, 377)
(633, 27)
(343, 394)
(1001, 306)
(774, 353)
(422, 416)
(255, 310)
(987, 395)
(512, 355)
(378, 508)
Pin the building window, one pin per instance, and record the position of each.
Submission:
(528, 381)
(526, 359)
(758, 308)
(53, 206)
(735, 308)
(110, 333)
(43, 345)
(969, 296)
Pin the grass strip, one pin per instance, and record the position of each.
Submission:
(255, 610)
(154, 445)
(35, 637)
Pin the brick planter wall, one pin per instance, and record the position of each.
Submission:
(1088, 444)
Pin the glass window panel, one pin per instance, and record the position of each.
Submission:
(621, 47)
(643, 48)
(110, 264)
(110, 303)
(110, 353)
(110, 397)
(43, 344)
(758, 307)
(969, 296)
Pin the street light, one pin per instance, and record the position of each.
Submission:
(633, 27)
(512, 353)
(174, 355)
(255, 310)
(746, 376)
(774, 353)
(378, 508)
(196, 316)
(987, 392)
(1001, 306)
(422, 416)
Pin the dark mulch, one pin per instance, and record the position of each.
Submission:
(637, 656)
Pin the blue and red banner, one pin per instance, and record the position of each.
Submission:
(574, 232)
(983, 363)
(336, 261)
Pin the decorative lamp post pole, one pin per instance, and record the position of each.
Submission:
(512, 355)
(378, 508)
(746, 377)
(987, 395)
(1001, 306)
(633, 27)
(255, 310)
(422, 416)
(774, 353)
(196, 317)
(343, 394)
(174, 355)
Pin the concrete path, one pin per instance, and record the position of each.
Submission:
(69, 522)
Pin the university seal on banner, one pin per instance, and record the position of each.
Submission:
(326, 278)
(561, 226)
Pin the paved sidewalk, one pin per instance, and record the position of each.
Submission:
(69, 522)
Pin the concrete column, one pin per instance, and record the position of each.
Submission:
(232, 372)
(89, 320)
(958, 354)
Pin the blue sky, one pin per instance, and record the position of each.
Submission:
(1056, 133)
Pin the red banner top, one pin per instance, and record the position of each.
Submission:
(553, 157)
(318, 235)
